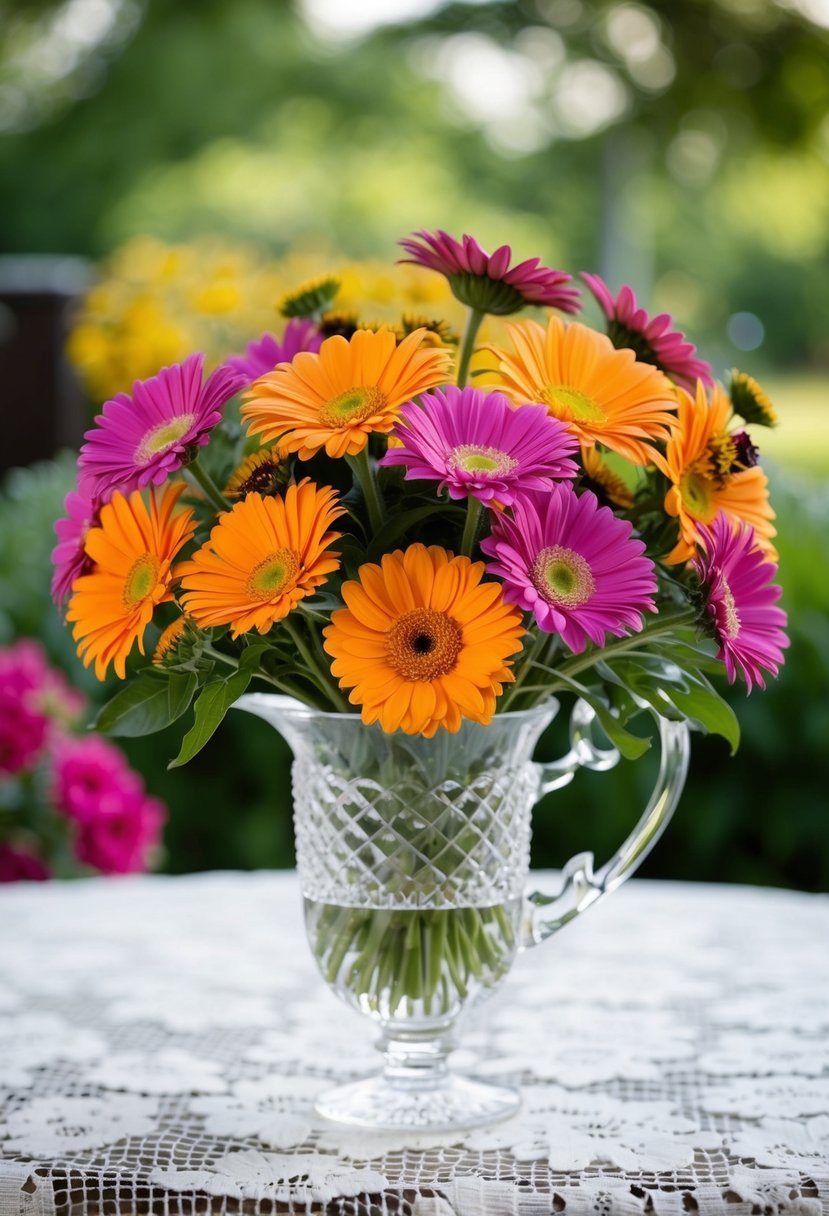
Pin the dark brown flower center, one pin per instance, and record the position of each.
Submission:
(424, 644)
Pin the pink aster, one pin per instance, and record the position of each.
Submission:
(69, 557)
(652, 339)
(146, 437)
(485, 281)
(573, 564)
(741, 601)
(260, 357)
(17, 865)
(477, 443)
(116, 824)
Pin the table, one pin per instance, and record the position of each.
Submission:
(162, 1039)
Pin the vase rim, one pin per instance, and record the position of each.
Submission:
(292, 705)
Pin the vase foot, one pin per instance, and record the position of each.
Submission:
(453, 1103)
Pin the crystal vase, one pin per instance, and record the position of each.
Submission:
(413, 858)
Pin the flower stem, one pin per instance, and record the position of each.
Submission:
(319, 677)
(361, 467)
(203, 479)
(473, 324)
(580, 662)
(470, 528)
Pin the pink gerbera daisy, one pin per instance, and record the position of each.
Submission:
(573, 564)
(477, 443)
(651, 338)
(260, 357)
(69, 556)
(146, 437)
(741, 600)
(484, 281)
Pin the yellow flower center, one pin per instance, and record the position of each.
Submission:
(424, 644)
(695, 489)
(163, 436)
(473, 458)
(571, 405)
(352, 407)
(731, 625)
(274, 575)
(563, 577)
(141, 580)
(722, 452)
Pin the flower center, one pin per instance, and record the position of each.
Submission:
(570, 405)
(730, 625)
(696, 494)
(722, 451)
(163, 436)
(274, 575)
(141, 580)
(473, 458)
(424, 644)
(352, 407)
(261, 480)
(563, 577)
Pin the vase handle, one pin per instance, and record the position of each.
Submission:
(580, 886)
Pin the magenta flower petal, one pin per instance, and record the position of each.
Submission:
(68, 556)
(144, 438)
(741, 601)
(573, 564)
(484, 281)
(477, 443)
(653, 340)
(19, 866)
(301, 334)
(24, 723)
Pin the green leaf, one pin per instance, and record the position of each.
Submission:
(210, 708)
(628, 745)
(401, 523)
(148, 703)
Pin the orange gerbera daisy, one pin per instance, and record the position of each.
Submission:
(263, 557)
(603, 394)
(702, 464)
(423, 642)
(132, 548)
(335, 399)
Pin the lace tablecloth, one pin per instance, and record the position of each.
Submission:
(162, 1039)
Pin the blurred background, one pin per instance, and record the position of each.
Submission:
(169, 167)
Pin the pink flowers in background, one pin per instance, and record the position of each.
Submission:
(485, 281)
(72, 804)
(653, 339)
(146, 437)
(260, 357)
(741, 601)
(475, 443)
(573, 564)
(68, 556)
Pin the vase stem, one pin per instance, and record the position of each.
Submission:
(416, 1059)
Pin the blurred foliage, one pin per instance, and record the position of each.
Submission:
(759, 817)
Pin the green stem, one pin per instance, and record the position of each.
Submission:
(318, 676)
(470, 528)
(203, 479)
(473, 324)
(283, 685)
(361, 467)
(581, 662)
(538, 641)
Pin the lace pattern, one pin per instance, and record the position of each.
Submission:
(162, 1041)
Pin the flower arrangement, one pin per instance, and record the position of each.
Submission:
(69, 804)
(367, 531)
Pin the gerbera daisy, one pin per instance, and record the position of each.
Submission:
(132, 549)
(703, 464)
(749, 401)
(605, 483)
(604, 395)
(652, 339)
(475, 443)
(167, 644)
(573, 564)
(423, 642)
(741, 601)
(310, 298)
(263, 472)
(484, 281)
(146, 437)
(69, 556)
(338, 397)
(263, 356)
(262, 558)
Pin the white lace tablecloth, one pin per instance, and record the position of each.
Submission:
(162, 1040)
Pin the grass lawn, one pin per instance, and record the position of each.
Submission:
(801, 441)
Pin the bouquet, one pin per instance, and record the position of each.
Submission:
(338, 513)
(69, 804)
